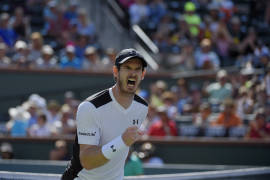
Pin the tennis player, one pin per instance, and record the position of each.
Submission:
(108, 123)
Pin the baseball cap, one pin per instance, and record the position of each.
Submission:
(127, 54)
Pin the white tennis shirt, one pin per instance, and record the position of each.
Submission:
(100, 119)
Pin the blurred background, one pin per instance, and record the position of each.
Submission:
(207, 83)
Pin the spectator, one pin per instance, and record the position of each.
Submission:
(108, 60)
(157, 9)
(41, 128)
(248, 45)
(53, 114)
(66, 125)
(60, 151)
(85, 27)
(20, 58)
(35, 47)
(7, 34)
(228, 118)
(70, 61)
(157, 90)
(47, 59)
(203, 118)
(148, 155)
(164, 126)
(92, 60)
(169, 99)
(223, 41)
(6, 151)
(185, 60)
(81, 44)
(245, 103)
(4, 60)
(220, 90)
(258, 128)
(205, 57)
(133, 165)
(18, 123)
(20, 23)
(71, 13)
(193, 20)
(139, 12)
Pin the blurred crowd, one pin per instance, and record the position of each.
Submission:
(198, 34)
(204, 34)
(234, 105)
(50, 35)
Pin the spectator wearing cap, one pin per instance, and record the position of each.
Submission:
(157, 89)
(53, 112)
(147, 153)
(66, 125)
(228, 117)
(20, 58)
(47, 59)
(164, 126)
(70, 61)
(91, 59)
(245, 102)
(6, 151)
(169, 100)
(18, 123)
(109, 58)
(20, 23)
(60, 151)
(219, 91)
(4, 60)
(258, 128)
(192, 19)
(7, 34)
(205, 57)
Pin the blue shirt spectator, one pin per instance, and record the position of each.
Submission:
(70, 61)
(8, 35)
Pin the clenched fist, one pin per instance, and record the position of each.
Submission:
(131, 135)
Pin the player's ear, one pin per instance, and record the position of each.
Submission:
(143, 74)
(115, 71)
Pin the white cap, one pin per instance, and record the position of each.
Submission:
(70, 49)
(46, 49)
(20, 45)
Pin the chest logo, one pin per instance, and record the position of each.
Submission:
(113, 149)
(135, 121)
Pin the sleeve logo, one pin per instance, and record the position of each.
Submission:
(87, 134)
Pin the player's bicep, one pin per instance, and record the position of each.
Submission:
(88, 130)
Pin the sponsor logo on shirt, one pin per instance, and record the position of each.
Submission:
(87, 134)
(113, 149)
(135, 121)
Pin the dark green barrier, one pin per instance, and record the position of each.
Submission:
(174, 150)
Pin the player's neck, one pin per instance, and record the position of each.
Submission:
(123, 99)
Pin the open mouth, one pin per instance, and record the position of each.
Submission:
(131, 82)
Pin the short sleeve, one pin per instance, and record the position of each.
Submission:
(88, 130)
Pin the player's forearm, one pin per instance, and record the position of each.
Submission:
(92, 158)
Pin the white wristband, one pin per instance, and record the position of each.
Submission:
(112, 148)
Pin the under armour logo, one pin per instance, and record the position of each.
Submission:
(113, 149)
(135, 121)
